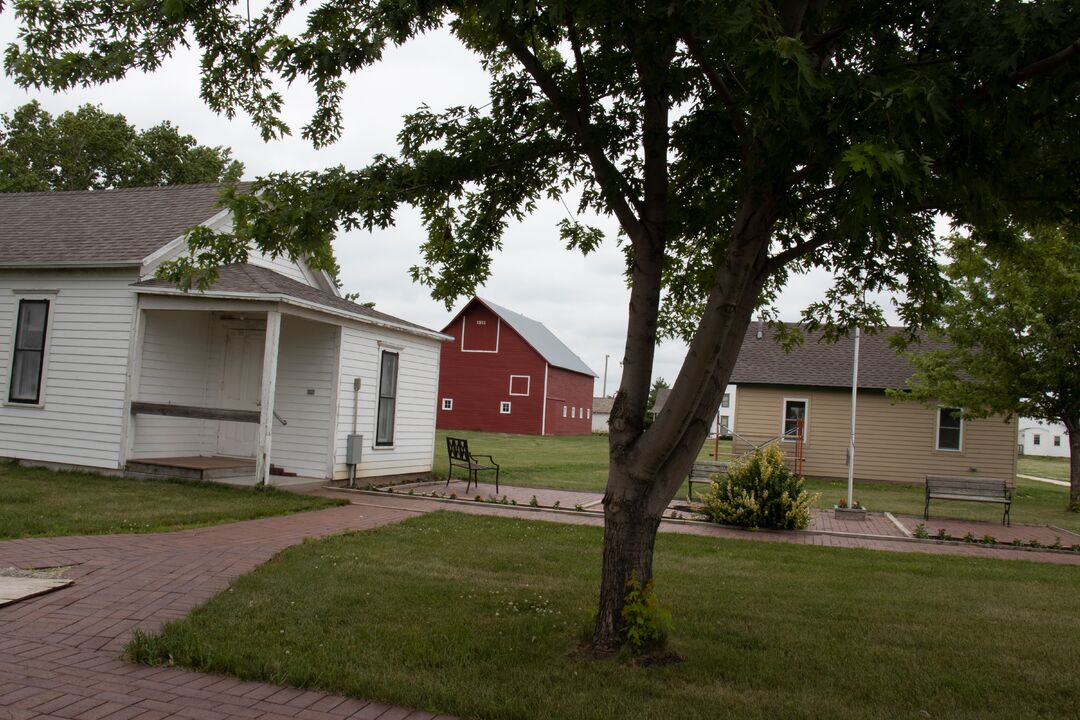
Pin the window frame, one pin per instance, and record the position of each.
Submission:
(937, 430)
(383, 444)
(46, 340)
(1036, 439)
(528, 386)
(448, 403)
(1057, 441)
(505, 407)
(784, 417)
(725, 401)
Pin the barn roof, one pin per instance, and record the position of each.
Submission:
(255, 282)
(536, 334)
(823, 364)
(99, 227)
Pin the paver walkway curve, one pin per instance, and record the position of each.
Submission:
(60, 653)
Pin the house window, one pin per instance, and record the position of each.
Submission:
(519, 385)
(951, 429)
(28, 355)
(504, 408)
(1057, 441)
(723, 424)
(1036, 440)
(388, 375)
(447, 403)
(726, 401)
(564, 411)
(795, 419)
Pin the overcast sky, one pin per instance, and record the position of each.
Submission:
(583, 300)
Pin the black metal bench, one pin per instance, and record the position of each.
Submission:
(702, 474)
(460, 457)
(968, 489)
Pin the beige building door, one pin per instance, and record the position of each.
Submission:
(241, 389)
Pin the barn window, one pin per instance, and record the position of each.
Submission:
(950, 430)
(388, 377)
(520, 385)
(504, 408)
(564, 411)
(28, 353)
(481, 322)
(447, 403)
(573, 412)
(588, 414)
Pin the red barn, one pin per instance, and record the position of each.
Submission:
(506, 373)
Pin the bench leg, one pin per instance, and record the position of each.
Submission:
(689, 491)
(1005, 519)
(926, 509)
(496, 481)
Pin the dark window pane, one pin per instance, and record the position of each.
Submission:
(25, 377)
(794, 411)
(949, 424)
(384, 422)
(29, 352)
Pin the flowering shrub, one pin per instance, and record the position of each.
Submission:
(759, 491)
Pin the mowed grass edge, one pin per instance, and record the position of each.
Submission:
(481, 617)
(35, 502)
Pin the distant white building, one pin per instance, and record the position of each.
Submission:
(1042, 438)
(724, 422)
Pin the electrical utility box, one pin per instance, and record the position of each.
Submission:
(354, 449)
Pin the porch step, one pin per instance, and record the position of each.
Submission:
(192, 468)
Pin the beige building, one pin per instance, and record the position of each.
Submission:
(808, 392)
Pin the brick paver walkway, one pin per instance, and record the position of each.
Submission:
(59, 653)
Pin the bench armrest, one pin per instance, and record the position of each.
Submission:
(486, 456)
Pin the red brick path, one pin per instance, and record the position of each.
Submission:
(59, 653)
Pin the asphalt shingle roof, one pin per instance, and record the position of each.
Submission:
(542, 340)
(255, 280)
(99, 226)
(818, 363)
(602, 404)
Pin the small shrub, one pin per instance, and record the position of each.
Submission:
(942, 535)
(759, 491)
(1057, 543)
(1034, 543)
(1017, 542)
(533, 502)
(453, 496)
(920, 532)
(989, 539)
(647, 622)
(478, 499)
(969, 538)
(411, 491)
(504, 501)
(556, 505)
(1075, 548)
(513, 502)
(579, 507)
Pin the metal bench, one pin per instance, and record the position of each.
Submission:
(702, 473)
(968, 489)
(460, 457)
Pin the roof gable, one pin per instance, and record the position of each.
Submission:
(99, 227)
(822, 364)
(535, 333)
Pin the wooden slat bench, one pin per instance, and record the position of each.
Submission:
(460, 457)
(701, 474)
(968, 489)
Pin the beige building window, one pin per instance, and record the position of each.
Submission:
(795, 417)
(950, 429)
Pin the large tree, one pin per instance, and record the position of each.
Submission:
(1012, 319)
(735, 142)
(90, 149)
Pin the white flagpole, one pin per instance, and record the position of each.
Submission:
(854, 397)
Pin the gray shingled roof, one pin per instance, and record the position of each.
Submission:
(541, 339)
(101, 226)
(259, 281)
(661, 400)
(602, 404)
(822, 364)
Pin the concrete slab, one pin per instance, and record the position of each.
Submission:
(14, 589)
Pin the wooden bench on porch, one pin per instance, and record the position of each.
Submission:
(702, 474)
(968, 489)
(460, 457)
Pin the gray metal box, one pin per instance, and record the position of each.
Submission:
(354, 449)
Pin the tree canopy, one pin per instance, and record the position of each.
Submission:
(736, 143)
(1012, 321)
(90, 149)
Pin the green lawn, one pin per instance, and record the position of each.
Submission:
(480, 616)
(1047, 467)
(580, 463)
(35, 502)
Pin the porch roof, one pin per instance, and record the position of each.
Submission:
(251, 282)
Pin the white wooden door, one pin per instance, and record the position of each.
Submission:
(241, 389)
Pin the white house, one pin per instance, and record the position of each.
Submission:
(723, 424)
(1041, 438)
(263, 376)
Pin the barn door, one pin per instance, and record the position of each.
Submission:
(241, 389)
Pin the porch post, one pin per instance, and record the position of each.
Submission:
(266, 406)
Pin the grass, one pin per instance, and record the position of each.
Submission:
(480, 617)
(580, 463)
(1047, 467)
(35, 502)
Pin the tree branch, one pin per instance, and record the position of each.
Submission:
(716, 82)
(1047, 64)
(613, 185)
(795, 252)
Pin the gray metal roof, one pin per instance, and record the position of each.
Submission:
(99, 227)
(541, 339)
(822, 364)
(257, 281)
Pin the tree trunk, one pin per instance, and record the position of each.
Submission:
(630, 527)
(1073, 428)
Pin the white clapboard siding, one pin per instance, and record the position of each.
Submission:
(414, 429)
(81, 418)
(306, 361)
(175, 369)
